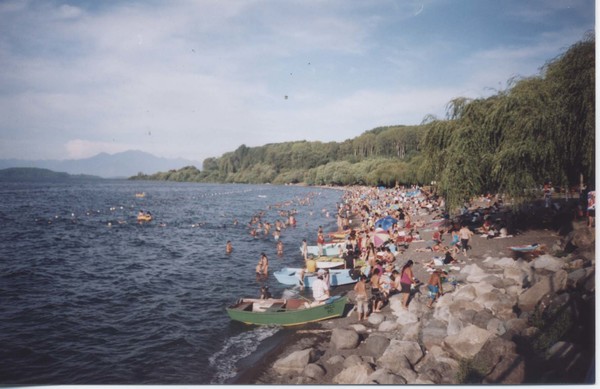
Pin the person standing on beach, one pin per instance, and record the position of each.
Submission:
(435, 286)
(465, 234)
(362, 300)
(407, 280)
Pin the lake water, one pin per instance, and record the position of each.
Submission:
(90, 296)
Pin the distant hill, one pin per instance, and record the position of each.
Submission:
(119, 165)
(21, 174)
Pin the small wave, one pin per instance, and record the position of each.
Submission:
(234, 349)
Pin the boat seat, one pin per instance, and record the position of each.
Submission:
(245, 306)
(275, 307)
(295, 304)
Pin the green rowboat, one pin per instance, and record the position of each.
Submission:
(285, 312)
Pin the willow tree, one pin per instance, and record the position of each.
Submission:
(571, 80)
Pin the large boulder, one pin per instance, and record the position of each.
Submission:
(385, 377)
(357, 374)
(407, 317)
(314, 371)
(398, 348)
(516, 274)
(376, 318)
(466, 292)
(548, 262)
(510, 370)
(388, 326)
(411, 332)
(544, 285)
(492, 352)
(468, 342)
(578, 278)
(482, 318)
(434, 333)
(376, 345)
(296, 362)
(342, 338)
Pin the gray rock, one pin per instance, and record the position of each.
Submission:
(358, 374)
(553, 284)
(376, 344)
(388, 326)
(399, 364)
(468, 342)
(482, 318)
(385, 377)
(411, 332)
(496, 327)
(398, 348)
(455, 325)
(359, 328)
(579, 277)
(407, 317)
(434, 333)
(295, 362)
(516, 274)
(493, 280)
(467, 315)
(376, 318)
(466, 292)
(336, 359)
(492, 353)
(314, 371)
(516, 325)
(344, 339)
(510, 370)
(530, 332)
(548, 262)
(353, 360)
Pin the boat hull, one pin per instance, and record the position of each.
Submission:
(329, 250)
(278, 312)
(290, 276)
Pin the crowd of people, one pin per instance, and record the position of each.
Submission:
(375, 251)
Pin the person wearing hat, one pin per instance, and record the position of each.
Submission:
(320, 289)
(435, 286)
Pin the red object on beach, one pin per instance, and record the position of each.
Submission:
(380, 237)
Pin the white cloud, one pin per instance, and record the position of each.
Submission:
(196, 79)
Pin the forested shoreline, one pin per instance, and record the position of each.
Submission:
(539, 129)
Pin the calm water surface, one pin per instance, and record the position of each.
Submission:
(89, 296)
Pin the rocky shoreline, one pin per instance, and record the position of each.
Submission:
(507, 321)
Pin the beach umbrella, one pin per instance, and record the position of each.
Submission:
(380, 237)
(386, 222)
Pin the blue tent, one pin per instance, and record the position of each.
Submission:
(386, 222)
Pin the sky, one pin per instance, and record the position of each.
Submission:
(197, 78)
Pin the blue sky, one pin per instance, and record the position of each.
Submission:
(195, 79)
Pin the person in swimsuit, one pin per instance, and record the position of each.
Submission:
(407, 280)
(262, 268)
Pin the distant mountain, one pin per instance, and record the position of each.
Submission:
(119, 165)
(20, 174)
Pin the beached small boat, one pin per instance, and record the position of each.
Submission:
(284, 312)
(291, 276)
(329, 250)
(526, 248)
